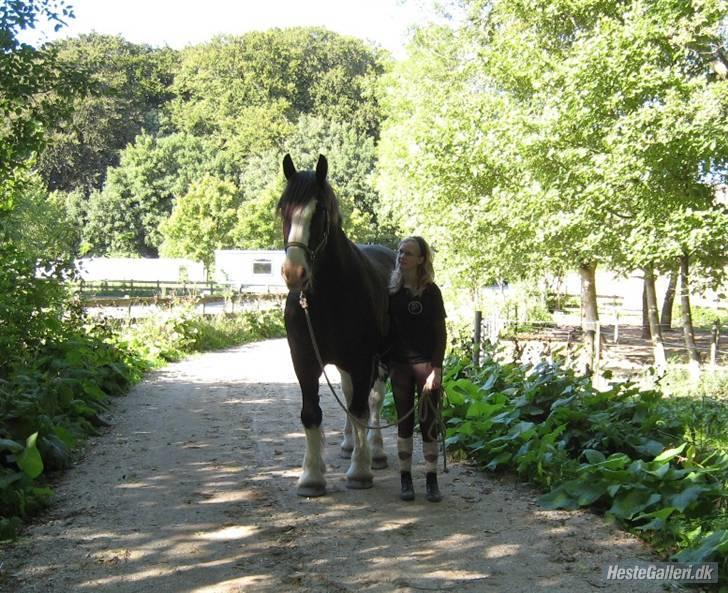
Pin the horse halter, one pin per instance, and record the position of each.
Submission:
(312, 254)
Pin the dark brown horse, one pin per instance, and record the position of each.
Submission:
(345, 286)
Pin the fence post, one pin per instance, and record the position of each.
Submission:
(616, 327)
(714, 343)
(476, 338)
(597, 345)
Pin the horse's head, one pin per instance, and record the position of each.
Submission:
(309, 212)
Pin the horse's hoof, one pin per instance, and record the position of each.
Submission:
(380, 462)
(311, 490)
(359, 483)
(345, 453)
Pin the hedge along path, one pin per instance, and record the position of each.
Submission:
(192, 490)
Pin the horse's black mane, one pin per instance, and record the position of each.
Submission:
(299, 191)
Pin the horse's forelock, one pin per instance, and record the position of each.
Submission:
(301, 189)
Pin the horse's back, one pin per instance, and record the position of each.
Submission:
(381, 258)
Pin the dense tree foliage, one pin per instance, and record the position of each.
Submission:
(129, 86)
(124, 217)
(238, 104)
(262, 81)
(35, 89)
(561, 135)
(201, 221)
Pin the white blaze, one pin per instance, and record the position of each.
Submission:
(300, 233)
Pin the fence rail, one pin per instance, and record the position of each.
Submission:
(496, 329)
(143, 306)
(162, 288)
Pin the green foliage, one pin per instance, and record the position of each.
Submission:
(352, 160)
(50, 402)
(32, 309)
(36, 89)
(201, 221)
(129, 84)
(260, 82)
(557, 134)
(629, 453)
(218, 332)
(179, 331)
(124, 218)
(39, 224)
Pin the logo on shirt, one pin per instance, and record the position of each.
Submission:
(414, 307)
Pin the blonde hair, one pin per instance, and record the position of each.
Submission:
(425, 271)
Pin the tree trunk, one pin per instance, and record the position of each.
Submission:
(589, 308)
(687, 319)
(668, 302)
(654, 321)
(645, 314)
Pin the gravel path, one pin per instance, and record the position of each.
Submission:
(193, 491)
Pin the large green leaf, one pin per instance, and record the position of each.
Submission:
(683, 499)
(659, 517)
(30, 460)
(9, 445)
(593, 456)
(558, 499)
(8, 477)
(668, 454)
(707, 548)
(586, 491)
(628, 504)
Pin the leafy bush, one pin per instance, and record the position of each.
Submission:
(230, 329)
(48, 404)
(632, 454)
(171, 335)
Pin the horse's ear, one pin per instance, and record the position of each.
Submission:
(289, 169)
(322, 168)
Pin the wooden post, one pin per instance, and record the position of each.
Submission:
(476, 338)
(616, 327)
(714, 343)
(597, 346)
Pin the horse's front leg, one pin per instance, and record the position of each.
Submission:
(359, 475)
(312, 481)
(376, 444)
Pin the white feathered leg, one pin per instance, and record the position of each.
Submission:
(359, 474)
(376, 443)
(312, 481)
(347, 445)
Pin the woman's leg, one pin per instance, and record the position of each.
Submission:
(429, 425)
(403, 389)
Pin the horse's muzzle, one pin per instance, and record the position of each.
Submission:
(294, 275)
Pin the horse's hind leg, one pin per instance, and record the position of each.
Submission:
(347, 445)
(376, 400)
(359, 475)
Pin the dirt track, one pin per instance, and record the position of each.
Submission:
(193, 491)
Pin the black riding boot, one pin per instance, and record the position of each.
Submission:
(407, 491)
(432, 490)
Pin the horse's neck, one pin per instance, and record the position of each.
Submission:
(336, 260)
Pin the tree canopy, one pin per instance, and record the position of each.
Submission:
(556, 134)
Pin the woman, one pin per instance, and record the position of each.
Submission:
(417, 318)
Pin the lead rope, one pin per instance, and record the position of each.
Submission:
(436, 408)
